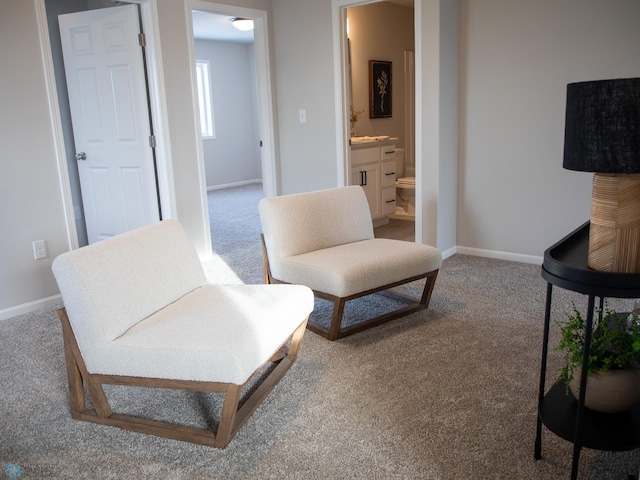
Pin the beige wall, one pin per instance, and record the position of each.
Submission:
(189, 187)
(310, 156)
(447, 30)
(30, 194)
(302, 74)
(30, 189)
(514, 195)
(304, 80)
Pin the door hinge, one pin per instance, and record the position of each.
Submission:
(260, 142)
(141, 40)
(152, 141)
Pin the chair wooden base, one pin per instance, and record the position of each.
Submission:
(336, 330)
(232, 416)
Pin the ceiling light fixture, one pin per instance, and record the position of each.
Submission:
(244, 24)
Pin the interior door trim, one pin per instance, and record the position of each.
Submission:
(149, 16)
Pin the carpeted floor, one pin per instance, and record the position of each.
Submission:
(447, 393)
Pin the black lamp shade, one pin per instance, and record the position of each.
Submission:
(602, 126)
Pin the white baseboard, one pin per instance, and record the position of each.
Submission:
(30, 307)
(235, 184)
(449, 252)
(479, 252)
(512, 257)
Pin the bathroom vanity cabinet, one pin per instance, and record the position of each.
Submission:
(373, 167)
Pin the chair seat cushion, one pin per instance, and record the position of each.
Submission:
(356, 267)
(214, 333)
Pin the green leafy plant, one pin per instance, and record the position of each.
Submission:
(615, 342)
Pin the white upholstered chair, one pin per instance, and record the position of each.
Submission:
(139, 312)
(325, 240)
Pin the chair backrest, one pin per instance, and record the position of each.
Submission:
(306, 222)
(109, 286)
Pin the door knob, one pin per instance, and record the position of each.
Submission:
(81, 156)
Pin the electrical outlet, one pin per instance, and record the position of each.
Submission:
(39, 249)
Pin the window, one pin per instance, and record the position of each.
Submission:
(204, 99)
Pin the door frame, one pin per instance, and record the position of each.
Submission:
(340, 56)
(157, 106)
(270, 184)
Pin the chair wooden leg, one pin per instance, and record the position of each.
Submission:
(428, 288)
(336, 319)
(266, 270)
(296, 340)
(228, 416)
(233, 417)
(77, 375)
(74, 378)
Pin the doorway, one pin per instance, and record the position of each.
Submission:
(48, 11)
(107, 91)
(264, 142)
(226, 80)
(238, 151)
(384, 31)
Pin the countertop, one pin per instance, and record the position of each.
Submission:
(367, 142)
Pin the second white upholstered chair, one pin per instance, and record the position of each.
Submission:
(325, 240)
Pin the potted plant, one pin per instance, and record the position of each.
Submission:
(353, 119)
(613, 382)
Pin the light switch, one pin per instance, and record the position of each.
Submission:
(302, 115)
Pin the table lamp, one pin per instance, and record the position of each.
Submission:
(602, 135)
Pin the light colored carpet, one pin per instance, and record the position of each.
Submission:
(447, 393)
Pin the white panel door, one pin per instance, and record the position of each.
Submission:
(109, 110)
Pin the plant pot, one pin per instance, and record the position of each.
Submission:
(612, 391)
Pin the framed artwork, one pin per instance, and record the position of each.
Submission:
(379, 89)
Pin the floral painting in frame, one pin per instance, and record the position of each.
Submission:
(379, 89)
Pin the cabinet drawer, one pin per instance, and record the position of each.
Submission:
(365, 155)
(388, 152)
(389, 201)
(388, 172)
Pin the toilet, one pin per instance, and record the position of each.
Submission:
(405, 186)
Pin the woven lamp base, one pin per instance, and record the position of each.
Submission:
(614, 235)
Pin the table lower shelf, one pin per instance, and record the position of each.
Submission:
(600, 431)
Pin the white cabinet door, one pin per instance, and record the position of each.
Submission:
(368, 177)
